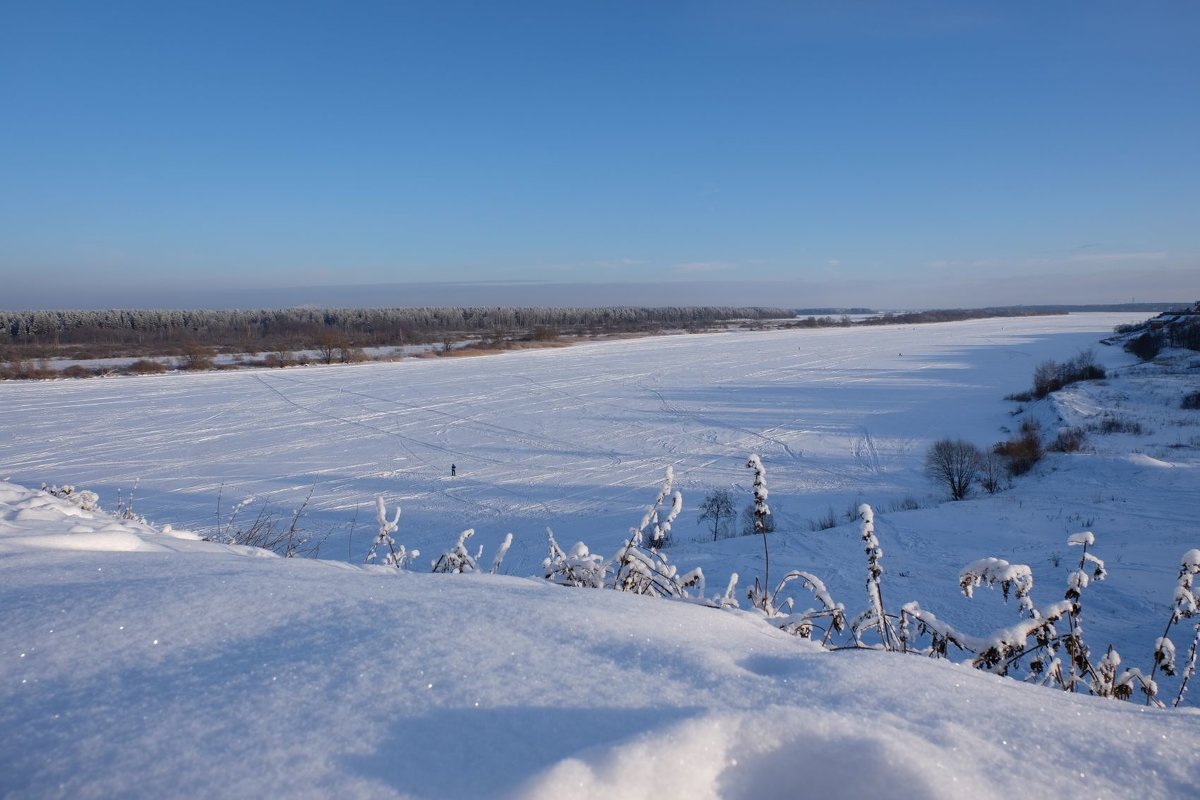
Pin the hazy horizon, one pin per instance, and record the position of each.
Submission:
(534, 294)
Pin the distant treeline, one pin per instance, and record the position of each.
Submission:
(958, 314)
(298, 328)
(915, 317)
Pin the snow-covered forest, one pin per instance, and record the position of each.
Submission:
(301, 327)
(142, 647)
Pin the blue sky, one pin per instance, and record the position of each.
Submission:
(862, 153)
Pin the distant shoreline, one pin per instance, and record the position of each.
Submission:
(70, 344)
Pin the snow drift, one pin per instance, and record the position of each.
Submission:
(138, 662)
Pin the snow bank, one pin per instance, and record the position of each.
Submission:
(189, 669)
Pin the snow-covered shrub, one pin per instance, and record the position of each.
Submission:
(649, 572)
(457, 560)
(1054, 658)
(643, 569)
(124, 509)
(659, 530)
(86, 500)
(726, 600)
(1014, 578)
(580, 568)
(782, 616)
(267, 530)
(397, 556)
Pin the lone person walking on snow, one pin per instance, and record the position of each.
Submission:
(453, 470)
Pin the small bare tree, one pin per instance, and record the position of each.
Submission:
(717, 507)
(330, 344)
(954, 463)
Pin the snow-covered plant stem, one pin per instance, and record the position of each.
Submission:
(660, 529)
(761, 512)
(293, 531)
(1187, 604)
(874, 616)
(1079, 659)
(1190, 668)
(498, 561)
(647, 571)
(396, 557)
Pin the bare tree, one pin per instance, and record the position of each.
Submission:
(329, 344)
(196, 355)
(717, 506)
(954, 463)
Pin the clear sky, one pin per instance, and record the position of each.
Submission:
(866, 153)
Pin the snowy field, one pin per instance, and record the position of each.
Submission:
(138, 663)
(575, 438)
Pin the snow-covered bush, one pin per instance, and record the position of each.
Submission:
(1057, 658)
(86, 500)
(649, 572)
(267, 530)
(457, 560)
(581, 568)
(644, 569)
(659, 530)
(397, 556)
(782, 616)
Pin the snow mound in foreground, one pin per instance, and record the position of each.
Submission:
(183, 668)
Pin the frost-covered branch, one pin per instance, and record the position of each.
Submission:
(457, 560)
(660, 530)
(1015, 578)
(396, 557)
(802, 623)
